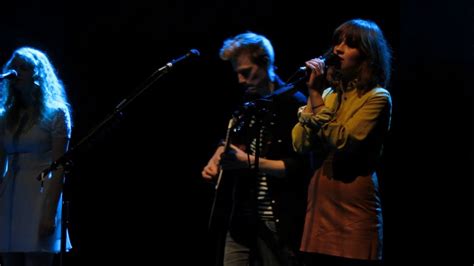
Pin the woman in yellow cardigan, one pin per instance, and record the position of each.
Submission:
(344, 124)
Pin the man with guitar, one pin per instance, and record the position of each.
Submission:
(267, 184)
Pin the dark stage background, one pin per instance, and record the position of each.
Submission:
(137, 196)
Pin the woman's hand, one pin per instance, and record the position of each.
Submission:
(316, 66)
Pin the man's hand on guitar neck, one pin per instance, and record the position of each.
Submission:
(212, 168)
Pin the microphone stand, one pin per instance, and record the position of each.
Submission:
(66, 159)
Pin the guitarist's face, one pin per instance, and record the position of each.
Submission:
(252, 77)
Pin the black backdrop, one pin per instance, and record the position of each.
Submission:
(137, 197)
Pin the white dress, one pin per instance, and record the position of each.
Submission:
(29, 151)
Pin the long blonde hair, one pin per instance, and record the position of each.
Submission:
(50, 95)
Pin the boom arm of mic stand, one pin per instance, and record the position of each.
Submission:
(117, 112)
(289, 88)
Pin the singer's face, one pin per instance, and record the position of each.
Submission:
(252, 77)
(350, 57)
(24, 81)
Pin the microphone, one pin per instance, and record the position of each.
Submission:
(169, 65)
(191, 53)
(10, 74)
(329, 59)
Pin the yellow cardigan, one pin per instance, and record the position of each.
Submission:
(345, 121)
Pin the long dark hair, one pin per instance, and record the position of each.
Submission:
(376, 55)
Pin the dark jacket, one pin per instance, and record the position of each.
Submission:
(288, 194)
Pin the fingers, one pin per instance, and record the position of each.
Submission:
(233, 146)
(206, 176)
(316, 66)
(209, 172)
